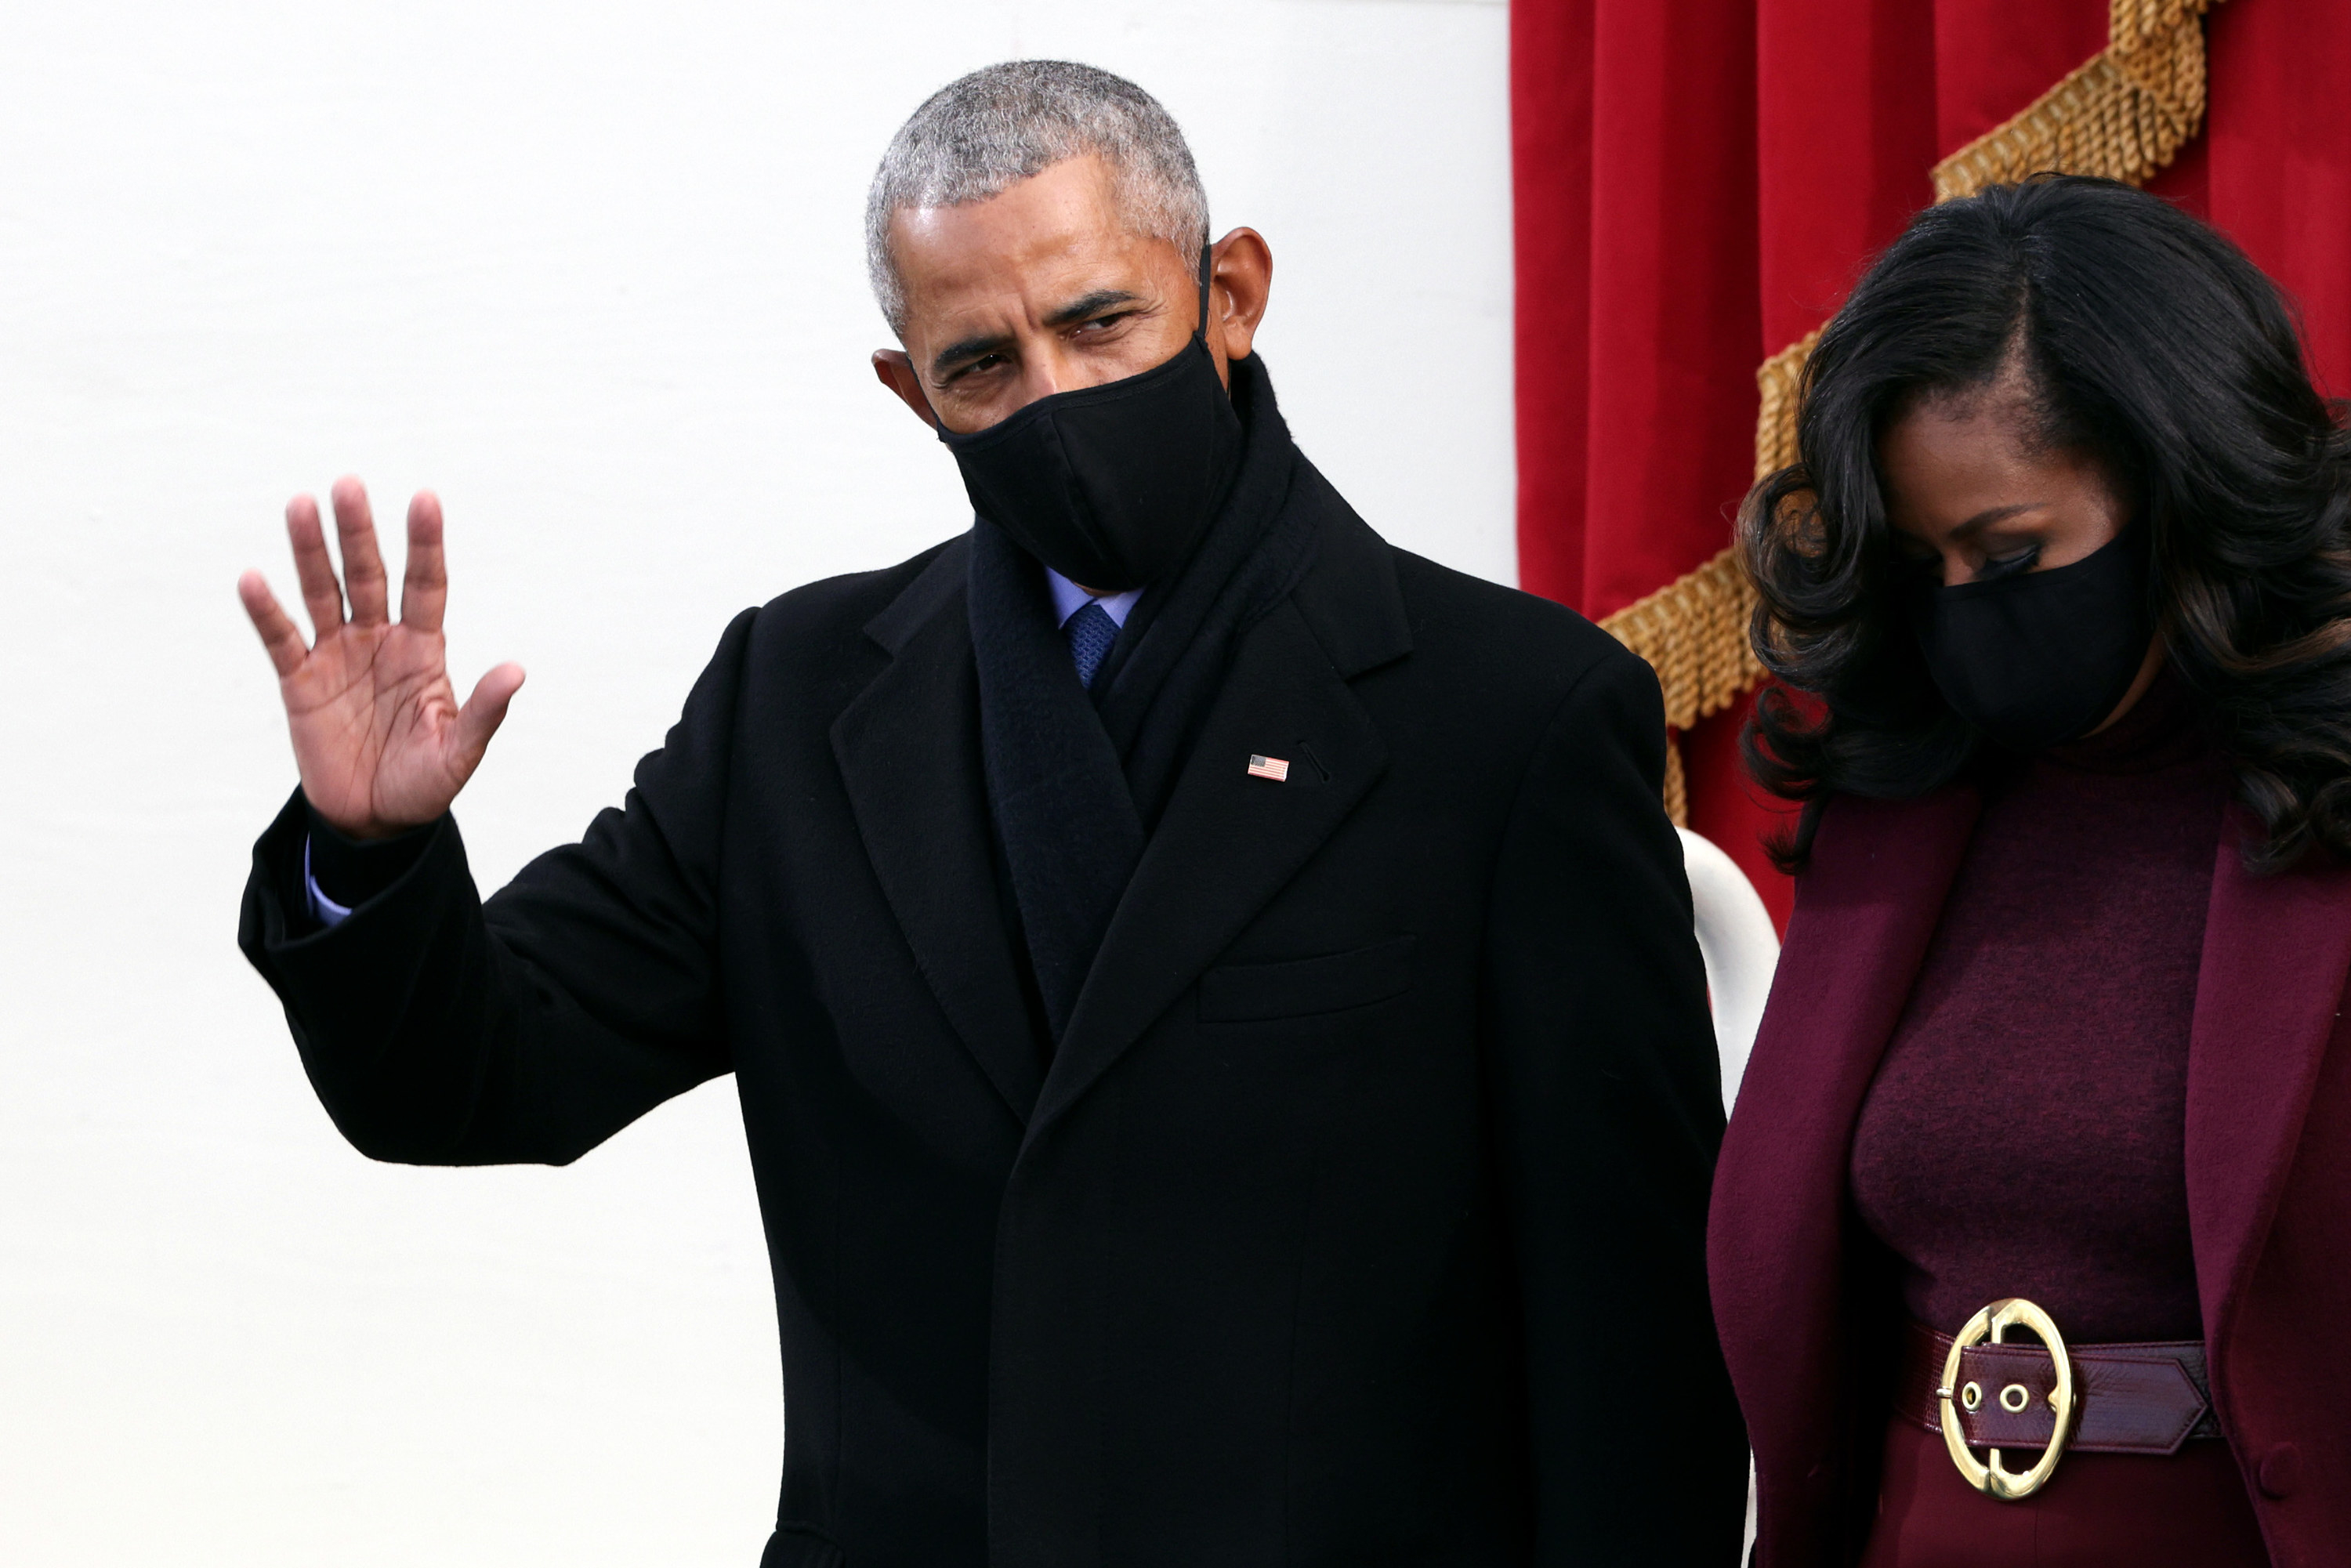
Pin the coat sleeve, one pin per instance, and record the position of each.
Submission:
(439, 1029)
(1607, 1101)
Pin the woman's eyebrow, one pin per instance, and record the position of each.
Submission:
(1989, 516)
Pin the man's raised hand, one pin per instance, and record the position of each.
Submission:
(378, 735)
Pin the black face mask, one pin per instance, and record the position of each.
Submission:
(1111, 485)
(2042, 657)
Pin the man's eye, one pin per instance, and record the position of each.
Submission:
(973, 367)
(1101, 322)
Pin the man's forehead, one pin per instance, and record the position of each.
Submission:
(1040, 262)
(1050, 239)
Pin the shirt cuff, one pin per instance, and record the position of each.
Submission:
(324, 910)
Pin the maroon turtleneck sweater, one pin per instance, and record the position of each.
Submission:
(2025, 1134)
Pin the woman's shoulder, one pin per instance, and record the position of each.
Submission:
(1866, 846)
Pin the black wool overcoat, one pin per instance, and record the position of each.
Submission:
(1358, 1217)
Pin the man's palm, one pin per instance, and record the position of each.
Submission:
(378, 735)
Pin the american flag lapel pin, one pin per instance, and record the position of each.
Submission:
(1274, 768)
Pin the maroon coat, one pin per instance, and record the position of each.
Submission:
(2269, 1181)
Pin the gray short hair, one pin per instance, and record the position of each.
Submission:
(978, 136)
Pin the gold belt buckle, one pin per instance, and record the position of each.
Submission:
(1994, 1321)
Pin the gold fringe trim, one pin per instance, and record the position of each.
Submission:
(1693, 632)
(1779, 382)
(2125, 114)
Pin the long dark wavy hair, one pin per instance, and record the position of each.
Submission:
(2152, 347)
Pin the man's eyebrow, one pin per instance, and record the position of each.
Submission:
(1078, 309)
(1093, 304)
(972, 348)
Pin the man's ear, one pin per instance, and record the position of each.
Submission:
(1240, 277)
(894, 370)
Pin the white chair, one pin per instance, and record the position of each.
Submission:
(1740, 946)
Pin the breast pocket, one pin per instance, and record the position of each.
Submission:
(1297, 988)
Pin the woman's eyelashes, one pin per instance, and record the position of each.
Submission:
(1929, 568)
(2009, 565)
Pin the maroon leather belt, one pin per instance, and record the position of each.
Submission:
(2133, 1398)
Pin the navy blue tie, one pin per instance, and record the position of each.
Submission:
(1090, 633)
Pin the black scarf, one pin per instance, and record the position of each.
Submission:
(1076, 781)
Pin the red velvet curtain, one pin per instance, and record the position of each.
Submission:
(1698, 181)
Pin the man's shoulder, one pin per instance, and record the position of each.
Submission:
(841, 613)
(1490, 677)
(1480, 640)
(811, 651)
(1455, 609)
(1370, 603)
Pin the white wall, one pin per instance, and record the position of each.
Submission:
(590, 269)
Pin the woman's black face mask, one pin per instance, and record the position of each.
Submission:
(1111, 485)
(2042, 657)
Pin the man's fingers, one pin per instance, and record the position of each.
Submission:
(278, 632)
(484, 712)
(424, 589)
(363, 577)
(322, 596)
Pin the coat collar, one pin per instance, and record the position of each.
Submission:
(908, 749)
(2277, 951)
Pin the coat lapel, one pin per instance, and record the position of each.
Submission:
(908, 748)
(1865, 909)
(1227, 842)
(2277, 950)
